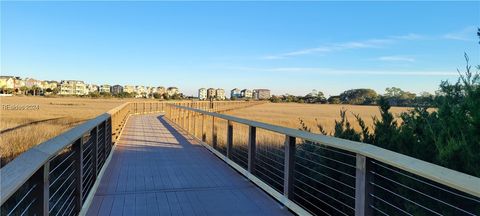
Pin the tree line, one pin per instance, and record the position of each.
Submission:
(394, 96)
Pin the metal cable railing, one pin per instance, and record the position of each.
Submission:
(318, 175)
(57, 176)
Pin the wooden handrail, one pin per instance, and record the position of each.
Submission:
(451, 178)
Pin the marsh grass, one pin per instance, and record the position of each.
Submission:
(64, 113)
(289, 114)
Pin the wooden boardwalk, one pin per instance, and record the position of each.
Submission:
(155, 170)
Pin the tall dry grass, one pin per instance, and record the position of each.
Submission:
(288, 114)
(20, 131)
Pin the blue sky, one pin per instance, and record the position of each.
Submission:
(289, 47)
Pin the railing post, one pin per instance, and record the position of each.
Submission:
(229, 138)
(78, 148)
(42, 190)
(252, 147)
(363, 187)
(204, 128)
(107, 133)
(187, 117)
(194, 125)
(95, 154)
(214, 133)
(289, 172)
(190, 121)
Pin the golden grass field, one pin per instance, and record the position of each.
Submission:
(288, 114)
(60, 114)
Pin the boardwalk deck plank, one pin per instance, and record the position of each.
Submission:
(155, 170)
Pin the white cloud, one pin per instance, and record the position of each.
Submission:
(466, 34)
(329, 71)
(373, 43)
(397, 58)
(410, 36)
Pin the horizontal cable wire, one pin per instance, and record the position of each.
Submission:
(61, 163)
(269, 165)
(404, 198)
(329, 149)
(325, 194)
(270, 159)
(311, 205)
(23, 198)
(28, 206)
(322, 201)
(378, 210)
(319, 182)
(61, 196)
(60, 187)
(72, 198)
(391, 205)
(424, 182)
(271, 172)
(337, 161)
(69, 206)
(426, 195)
(333, 179)
(59, 176)
(330, 168)
(268, 177)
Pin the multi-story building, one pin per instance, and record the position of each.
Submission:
(116, 89)
(104, 88)
(29, 82)
(261, 94)
(202, 94)
(220, 94)
(211, 93)
(246, 93)
(72, 87)
(140, 91)
(92, 88)
(172, 91)
(50, 85)
(128, 88)
(18, 83)
(81, 88)
(235, 93)
(149, 91)
(44, 85)
(7, 82)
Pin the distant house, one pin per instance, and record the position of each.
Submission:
(220, 94)
(261, 94)
(211, 93)
(140, 91)
(116, 89)
(51, 85)
(29, 82)
(18, 83)
(72, 87)
(172, 91)
(104, 88)
(7, 82)
(92, 88)
(246, 93)
(235, 93)
(202, 94)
